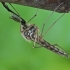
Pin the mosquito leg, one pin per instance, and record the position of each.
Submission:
(53, 24)
(36, 46)
(14, 9)
(15, 16)
(49, 17)
(8, 9)
(36, 39)
(6, 6)
(35, 42)
(33, 16)
(19, 14)
(58, 46)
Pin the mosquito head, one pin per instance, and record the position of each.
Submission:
(15, 18)
(18, 19)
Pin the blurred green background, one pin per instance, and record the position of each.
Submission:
(18, 54)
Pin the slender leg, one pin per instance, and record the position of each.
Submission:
(49, 17)
(53, 24)
(14, 9)
(8, 9)
(19, 14)
(33, 16)
(58, 46)
(36, 39)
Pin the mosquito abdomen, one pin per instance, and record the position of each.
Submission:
(57, 50)
(53, 48)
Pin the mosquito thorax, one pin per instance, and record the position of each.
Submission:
(29, 32)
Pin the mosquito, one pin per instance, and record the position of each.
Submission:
(31, 31)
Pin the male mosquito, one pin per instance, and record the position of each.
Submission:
(30, 31)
